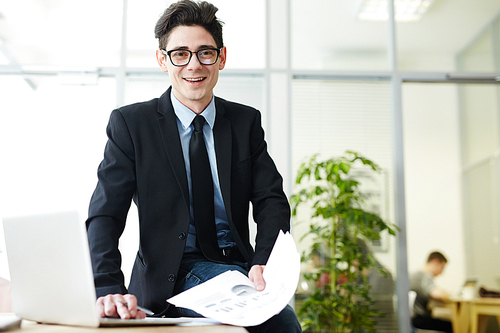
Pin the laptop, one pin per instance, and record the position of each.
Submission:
(51, 273)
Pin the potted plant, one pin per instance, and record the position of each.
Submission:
(341, 300)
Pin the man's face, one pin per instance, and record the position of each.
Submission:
(438, 267)
(193, 83)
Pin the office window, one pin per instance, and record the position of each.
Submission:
(62, 33)
(52, 139)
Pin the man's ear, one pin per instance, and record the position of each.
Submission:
(162, 60)
(222, 58)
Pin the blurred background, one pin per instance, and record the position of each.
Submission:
(419, 97)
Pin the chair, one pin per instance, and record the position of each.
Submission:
(412, 295)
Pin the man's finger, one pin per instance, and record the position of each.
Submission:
(100, 307)
(131, 302)
(119, 306)
(108, 307)
(255, 275)
(123, 310)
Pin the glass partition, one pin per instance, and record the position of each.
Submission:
(480, 134)
(328, 118)
(452, 180)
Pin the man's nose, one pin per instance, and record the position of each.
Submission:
(194, 62)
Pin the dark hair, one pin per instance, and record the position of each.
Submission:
(189, 13)
(437, 255)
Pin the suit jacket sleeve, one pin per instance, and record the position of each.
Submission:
(109, 207)
(271, 210)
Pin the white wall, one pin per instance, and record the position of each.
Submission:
(433, 178)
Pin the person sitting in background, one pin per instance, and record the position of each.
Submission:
(422, 282)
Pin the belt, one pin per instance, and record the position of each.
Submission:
(233, 253)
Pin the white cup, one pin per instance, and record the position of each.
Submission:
(468, 293)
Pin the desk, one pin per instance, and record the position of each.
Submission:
(483, 306)
(33, 327)
(466, 313)
(460, 314)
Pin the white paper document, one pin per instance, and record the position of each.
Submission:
(231, 297)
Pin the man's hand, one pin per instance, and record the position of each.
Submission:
(119, 306)
(255, 275)
(439, 294)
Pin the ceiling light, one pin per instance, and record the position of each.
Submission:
(405, 10)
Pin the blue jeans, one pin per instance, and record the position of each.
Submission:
(196, 269)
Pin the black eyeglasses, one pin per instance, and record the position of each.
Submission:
(181, 57)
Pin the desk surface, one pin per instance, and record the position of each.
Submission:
(477, 300)
(29, 326)
(486, 300)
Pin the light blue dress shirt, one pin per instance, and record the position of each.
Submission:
(184, 119)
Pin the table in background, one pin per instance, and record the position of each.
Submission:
(466, 313)
(460, 316)
(483, 306)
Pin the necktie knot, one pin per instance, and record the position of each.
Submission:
(198, 123)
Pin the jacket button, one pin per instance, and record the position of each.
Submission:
(182, 236)
(171, 278)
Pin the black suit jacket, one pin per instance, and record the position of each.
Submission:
(143, 161)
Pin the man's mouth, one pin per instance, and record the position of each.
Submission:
(194, 80)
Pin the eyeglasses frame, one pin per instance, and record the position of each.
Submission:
(167, 53)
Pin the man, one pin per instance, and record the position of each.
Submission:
(422, 282)
(153, 156)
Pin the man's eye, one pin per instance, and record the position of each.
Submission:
(206, 53)
(180, 54)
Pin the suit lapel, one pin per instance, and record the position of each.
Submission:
(172, 143)
(223, 148)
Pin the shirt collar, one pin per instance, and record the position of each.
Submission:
(186, 116)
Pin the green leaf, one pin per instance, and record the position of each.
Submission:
(317, 174)
(345, 167)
